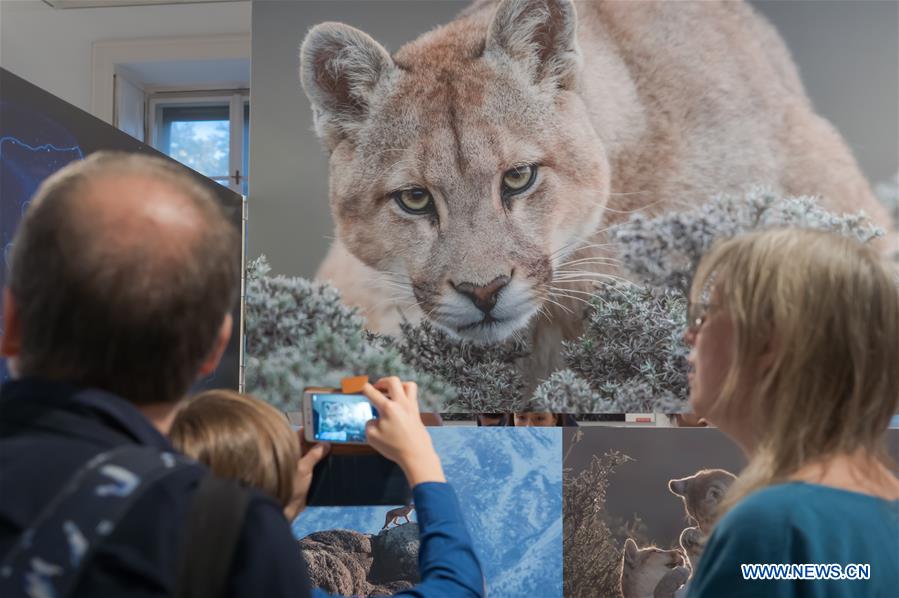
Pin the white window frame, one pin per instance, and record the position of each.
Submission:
(106, 56)
(235, 99)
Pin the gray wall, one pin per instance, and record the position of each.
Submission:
(847, 52)
(848, 57)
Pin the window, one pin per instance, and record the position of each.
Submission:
(207, 132)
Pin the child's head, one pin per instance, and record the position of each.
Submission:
(796, 340)
(239, 437)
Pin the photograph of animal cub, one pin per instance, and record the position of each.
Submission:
(638, 505)
(651, 571)
(475, 171)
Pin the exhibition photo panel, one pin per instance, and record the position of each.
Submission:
(537, 298)
(524, 239)
(640, 504)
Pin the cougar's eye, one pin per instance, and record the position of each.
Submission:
(518, 179)
(415, 200)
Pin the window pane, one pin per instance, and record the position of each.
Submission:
(201, 145)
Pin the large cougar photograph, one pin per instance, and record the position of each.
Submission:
(476, 174)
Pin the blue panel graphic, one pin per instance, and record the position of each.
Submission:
(22, 169)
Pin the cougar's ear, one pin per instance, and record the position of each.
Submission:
(539, 34)
(340, 67)
(631, 552)
(678, 487)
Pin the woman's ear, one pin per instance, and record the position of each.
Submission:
(768, 357)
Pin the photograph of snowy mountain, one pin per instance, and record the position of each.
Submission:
(509, 483)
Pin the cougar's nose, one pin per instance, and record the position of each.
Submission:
(484, 297)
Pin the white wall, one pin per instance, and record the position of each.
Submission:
(52, 48)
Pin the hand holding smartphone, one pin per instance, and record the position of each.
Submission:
(399, 434)
(396, 451)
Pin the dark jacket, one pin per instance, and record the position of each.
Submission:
(49, 430)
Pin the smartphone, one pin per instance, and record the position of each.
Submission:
(331, 416)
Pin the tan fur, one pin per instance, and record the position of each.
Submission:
(643, 568)
(702, 493)
(692, 542)
(393, 515)
(651, 106)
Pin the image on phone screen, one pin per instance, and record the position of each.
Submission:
(340, 417)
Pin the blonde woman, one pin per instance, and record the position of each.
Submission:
(795, 338)
(243, 438)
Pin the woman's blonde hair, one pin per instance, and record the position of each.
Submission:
(824, 309)
(239, 437)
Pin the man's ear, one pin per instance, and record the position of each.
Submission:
(221, 343)
(11, 341)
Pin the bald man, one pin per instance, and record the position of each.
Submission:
(122, 277)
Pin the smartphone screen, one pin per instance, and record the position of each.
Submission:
(340, 417)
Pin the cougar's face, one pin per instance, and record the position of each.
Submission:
(656, 558)
(466, 189)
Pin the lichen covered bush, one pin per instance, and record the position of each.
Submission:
(592, 549)
(664, 251)
(630, 357)
(299, 334)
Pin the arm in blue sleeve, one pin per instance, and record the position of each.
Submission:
(446, 559)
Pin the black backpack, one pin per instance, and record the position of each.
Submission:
(50, 555)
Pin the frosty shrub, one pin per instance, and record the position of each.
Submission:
(630, 359)
(664, 251)
(299, 334)
(592, 565)
(565, 392)
(485, 375)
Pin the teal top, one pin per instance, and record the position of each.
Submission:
(799, 523)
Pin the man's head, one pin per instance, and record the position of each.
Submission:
(122, 276)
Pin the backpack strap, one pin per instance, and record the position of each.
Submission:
(216, 518)
(50, 554)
